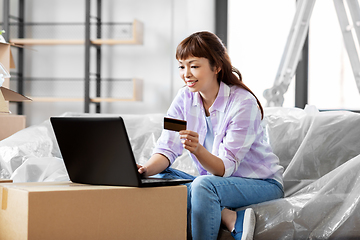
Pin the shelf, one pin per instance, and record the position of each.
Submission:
(134, 89)
(32, 41)
(53, 99)
(137, 38)
(92, 32)
(95, 100)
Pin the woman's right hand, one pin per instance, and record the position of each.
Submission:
(141, 169)
(156, 164)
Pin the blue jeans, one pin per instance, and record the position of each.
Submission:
(208, 195)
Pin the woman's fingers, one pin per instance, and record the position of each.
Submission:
(190, 140)
(141, 169)
(190, 135)
(191, 147)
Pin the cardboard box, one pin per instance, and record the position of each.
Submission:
(10, 124)
(6, 94)
(76, 211)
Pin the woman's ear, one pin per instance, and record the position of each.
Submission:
(217, 70)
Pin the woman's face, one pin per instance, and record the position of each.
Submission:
(198, 75)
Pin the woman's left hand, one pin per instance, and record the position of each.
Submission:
(208, 161)
(190, 140)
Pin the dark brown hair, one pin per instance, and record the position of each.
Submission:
(208, 45)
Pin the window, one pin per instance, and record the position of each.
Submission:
(331, 80)
(257, 34)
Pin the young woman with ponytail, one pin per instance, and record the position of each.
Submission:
(224, 138)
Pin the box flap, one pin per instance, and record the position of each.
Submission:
(10, 95)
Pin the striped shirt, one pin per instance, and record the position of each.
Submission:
(239, 138)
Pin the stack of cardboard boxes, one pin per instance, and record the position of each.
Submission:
(9, 123)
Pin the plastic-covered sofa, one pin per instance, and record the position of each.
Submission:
(319, 150)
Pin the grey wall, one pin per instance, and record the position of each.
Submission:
(166, 23)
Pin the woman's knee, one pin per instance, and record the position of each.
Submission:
(204, 183)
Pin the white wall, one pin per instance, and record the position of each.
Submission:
(166, 23)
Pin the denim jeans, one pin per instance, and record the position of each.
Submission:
(208, 195)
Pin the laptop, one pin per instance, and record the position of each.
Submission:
(97, 150)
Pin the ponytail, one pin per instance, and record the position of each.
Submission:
(241, 84)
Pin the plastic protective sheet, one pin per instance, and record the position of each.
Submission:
(319, 150)
(32, 155)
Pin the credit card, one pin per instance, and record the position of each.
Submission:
(173, 124)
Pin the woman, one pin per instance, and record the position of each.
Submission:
(224, 138)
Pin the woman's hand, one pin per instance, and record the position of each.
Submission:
(141, 169)
(210, 162)
(156, 164)
(190, 140)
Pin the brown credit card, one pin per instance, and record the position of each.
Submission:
(173, 124)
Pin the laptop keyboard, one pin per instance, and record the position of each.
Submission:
(154, 180)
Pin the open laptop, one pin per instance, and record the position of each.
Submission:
(97, 150)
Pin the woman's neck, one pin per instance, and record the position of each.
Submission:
(208, 100)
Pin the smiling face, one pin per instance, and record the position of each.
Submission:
(199, 76)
